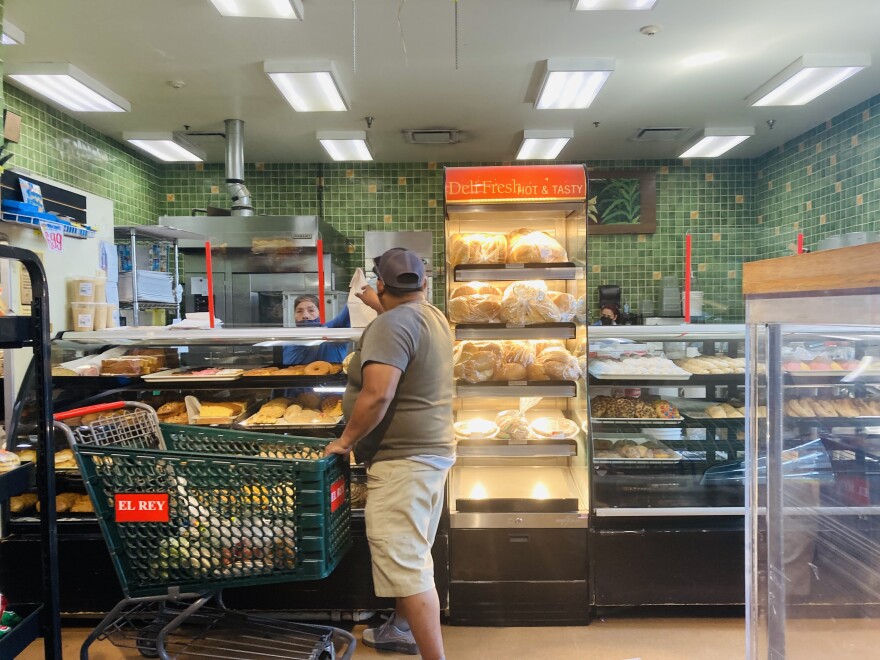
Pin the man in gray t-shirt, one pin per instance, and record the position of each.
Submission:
(398, 411)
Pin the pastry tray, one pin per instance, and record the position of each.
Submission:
(640, 377)
(638, 440)
(176, 376)
(637, 420)
(285, 425)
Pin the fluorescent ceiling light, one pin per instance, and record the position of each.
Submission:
(12, 36)
(167, 147)
(572, 83)
(702, 59)
(67, 86)
(601, 5)
(806, 78)
(291, 9)
(308, 86)
(345, 145)
(543, 145)
(717, 141)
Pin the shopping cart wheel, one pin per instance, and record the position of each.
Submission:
(146, 640)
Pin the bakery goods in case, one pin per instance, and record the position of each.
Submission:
(475, 289)
(475, 308)
(554, 427)
(476, 429)
(512, 425)
(478, 249)
(319, 368)
(260, 371)
(475, 367)
(559, 364)
(628, 408)
(129, 365)
(534, 247)
(636, 366)
(565, 303)
(528, 302)
(509, 371)
(713, 364)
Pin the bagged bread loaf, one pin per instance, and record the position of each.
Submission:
(474, 309)
(566, 303)
(559, 364)
(510, 371)
(475, 367)
(528, 302)
(535, 248)
(478, 249)
(519, 352)
(475, 288)
(513, 425)
(581, 310)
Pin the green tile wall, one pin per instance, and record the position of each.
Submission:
(409, 196)
(824, 182)
(62, 148)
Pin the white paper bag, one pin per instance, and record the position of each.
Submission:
(361, 314)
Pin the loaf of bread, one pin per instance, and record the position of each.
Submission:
(477, 249)
(528, 302)
(565, 303)
(475, 289)
(166, 358)
(559, 364)
(519, 352)
(220, 409)
(510, 371)
(171, 408)
(534, 248)
(476, 308)
(476, 367)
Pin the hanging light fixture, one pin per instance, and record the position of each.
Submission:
(65, 85)
(806, 78)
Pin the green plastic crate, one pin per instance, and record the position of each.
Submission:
(235, 519)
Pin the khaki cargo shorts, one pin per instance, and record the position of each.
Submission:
(404, 502)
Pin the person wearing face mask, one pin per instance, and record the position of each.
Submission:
(305, 314)
(609, 315)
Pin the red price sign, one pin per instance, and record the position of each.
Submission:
(141, 507)
(337, 494)
(54, 236)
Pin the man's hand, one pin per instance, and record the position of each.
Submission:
(337, 447)
(370, 298)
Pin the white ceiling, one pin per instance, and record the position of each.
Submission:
(135, 46)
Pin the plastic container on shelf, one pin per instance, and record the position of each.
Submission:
(82, 316)
(103, 315)
(100, 288)
(696, 303)
(81, 289)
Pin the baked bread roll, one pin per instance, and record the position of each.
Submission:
(510, 371)
(332, 406)
(476, 308)
(475, 289)
(176, 418)
(716, 412)
(513, 425)
(62, 371)
(477, 249)
(566, 303)
(536, 372)
(310, 400)
(559, 364)
(261, 371)
(581, 311)
(535, 248)
(171, 408)
(635, 451)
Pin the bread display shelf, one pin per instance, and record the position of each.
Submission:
(833, 377)
(708, 380)
(647, 421)
(546, 388)
(250, 383)
(640, 377)
(180, 376)
(16, 480)
(501, 331)
(511, 272)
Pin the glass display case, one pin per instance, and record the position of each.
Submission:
(813, 447)
(666, 451)
(515, 298)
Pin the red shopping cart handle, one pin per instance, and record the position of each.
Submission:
(79, 412)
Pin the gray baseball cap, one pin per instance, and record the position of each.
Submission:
(401, 269)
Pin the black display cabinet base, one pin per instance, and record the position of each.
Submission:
(519, 603)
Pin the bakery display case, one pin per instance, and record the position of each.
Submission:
(666, 452)
(230, 378)
(813, 455)
(515, 299)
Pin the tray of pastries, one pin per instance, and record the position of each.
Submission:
(613, 449)
(832, 407)
(627, 409)
(319, 368)
(506, 361)
(305, 409)
(194, 374)
(637, 368)
(65, 503)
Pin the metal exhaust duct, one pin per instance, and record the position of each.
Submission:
(241, 196)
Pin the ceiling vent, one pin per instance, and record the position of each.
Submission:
(432, 135)
(658, 134)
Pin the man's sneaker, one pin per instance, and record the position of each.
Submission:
(389, 637)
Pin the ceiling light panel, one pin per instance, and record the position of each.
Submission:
(806, 78)
(572, 84)
(345, 145)
(605, 5)
(715, 142)
(308, 86)
(12, 36)
(165, 146)
(543, 145)
(289, 9)
(67, 86)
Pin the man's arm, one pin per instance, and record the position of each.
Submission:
(379, 387)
